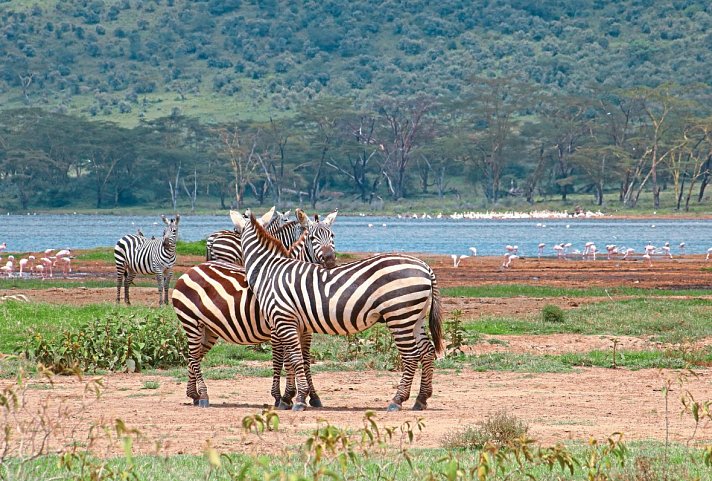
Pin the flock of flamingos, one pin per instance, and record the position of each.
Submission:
(28, 266)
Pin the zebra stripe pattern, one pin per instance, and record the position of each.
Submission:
(396, 289)
(225, 244)
(212, 301)
(137, 254)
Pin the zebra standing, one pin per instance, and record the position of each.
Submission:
(137, 254)
(212, 301)
(296, 296)
(234, 216)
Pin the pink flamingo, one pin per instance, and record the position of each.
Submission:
(559, 248)
(23, 262)
(592, 249)
(63, 253)
(648, 258)
(709, 253)
(47, 263)
(628, 252)
(8, 268)
(666, 250)
(508, 258)
(3, 246)
(64, 264)
(612, 249)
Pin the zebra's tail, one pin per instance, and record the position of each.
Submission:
(435, 321)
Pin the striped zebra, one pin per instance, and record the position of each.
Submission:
(137, 254)
(212, 301)
(234, 216)
(296, 296)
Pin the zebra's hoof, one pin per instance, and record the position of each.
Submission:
(195, 402)
(419, 406)
(283, 406)
(392, 407)
(203, 403)
(299, 406)
(315, 402)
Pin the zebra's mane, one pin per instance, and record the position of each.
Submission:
(298, 244)
(269, 239)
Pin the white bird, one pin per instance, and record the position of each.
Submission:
(63, 253)
(628, 252)
(3, 246)
(508, 258)
(64, 265)
(541, 249)
(647, 257)
(559, 248)
(649, 248)
(47, 263)
(592, 249)
(666, 250)
(474, 251)
(23, 262)
(7, 268)
(709, 253)
(682, 248)
(456, 259)
(612, 249)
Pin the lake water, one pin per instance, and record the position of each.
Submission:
(25, 233)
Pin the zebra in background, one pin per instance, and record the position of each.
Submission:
(392, 288)
(137, 254)
(212, 301)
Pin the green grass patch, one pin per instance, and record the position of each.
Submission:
(194, 248)
(16, 283)
(104, 254)
(520, 290)
(664, 320)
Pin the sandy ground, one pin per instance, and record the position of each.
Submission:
(587, 403)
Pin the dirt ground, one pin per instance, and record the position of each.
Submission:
(590, 402)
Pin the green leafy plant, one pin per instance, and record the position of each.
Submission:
(500, 429)
(551, 314)
(116, 342)
(455, 334)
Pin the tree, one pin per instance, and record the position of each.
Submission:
(239, 146)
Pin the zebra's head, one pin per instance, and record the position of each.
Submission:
(170, 233)
(239, 220)
(321, 237)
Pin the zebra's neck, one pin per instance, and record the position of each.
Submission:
(259, 249)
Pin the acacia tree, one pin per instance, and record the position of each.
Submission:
(405, 128)
(239, 147)
(489, 120)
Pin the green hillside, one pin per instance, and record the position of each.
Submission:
(131, 59)
(211, 104)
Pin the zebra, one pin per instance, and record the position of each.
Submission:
(225, 244)
(212, 300)
(137, 254)
(299, 297)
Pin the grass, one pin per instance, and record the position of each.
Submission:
(664, 320)
(644, 461)
(15, 283)
(520, 290)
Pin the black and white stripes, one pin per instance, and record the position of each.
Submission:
(297, 297)
(136, 254)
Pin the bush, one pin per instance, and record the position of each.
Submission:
(552, 313)
(500, 430)
(117, 342)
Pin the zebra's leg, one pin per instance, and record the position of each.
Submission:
(306, 340)
(426, 378)
(277, 361)
(293, 354)
(407, 345)
(166, 283)
(199, 347)
(119, 280)
(159, 280)
(128, 279)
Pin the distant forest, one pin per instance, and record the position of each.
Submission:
(223, 103)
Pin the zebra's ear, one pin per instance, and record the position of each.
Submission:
(330, 218)
(267, 217)
(302, 218)
(165, 221)
(237, 220)
(177, 218)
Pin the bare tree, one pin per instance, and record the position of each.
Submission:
(240, 150)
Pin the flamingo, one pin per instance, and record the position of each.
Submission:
(709, 253)
(592, 249)
(40, 268)
(456, 259)
(628, 252)
(65, 265)
(7, 268)
(682, 248)
(559, 248)
(586, 249)
(650, 248)
(508, 258)
(612, 249)
(541, 249)
(47, 263)
(473, 250)
(647, 257)
(3, 246)
(666, 250)
(23, 262)
(63, 253)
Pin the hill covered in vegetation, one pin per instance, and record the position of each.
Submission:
(363, 99)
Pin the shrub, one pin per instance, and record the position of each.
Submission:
(500, 430)
(552, 313)
(116, 342)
